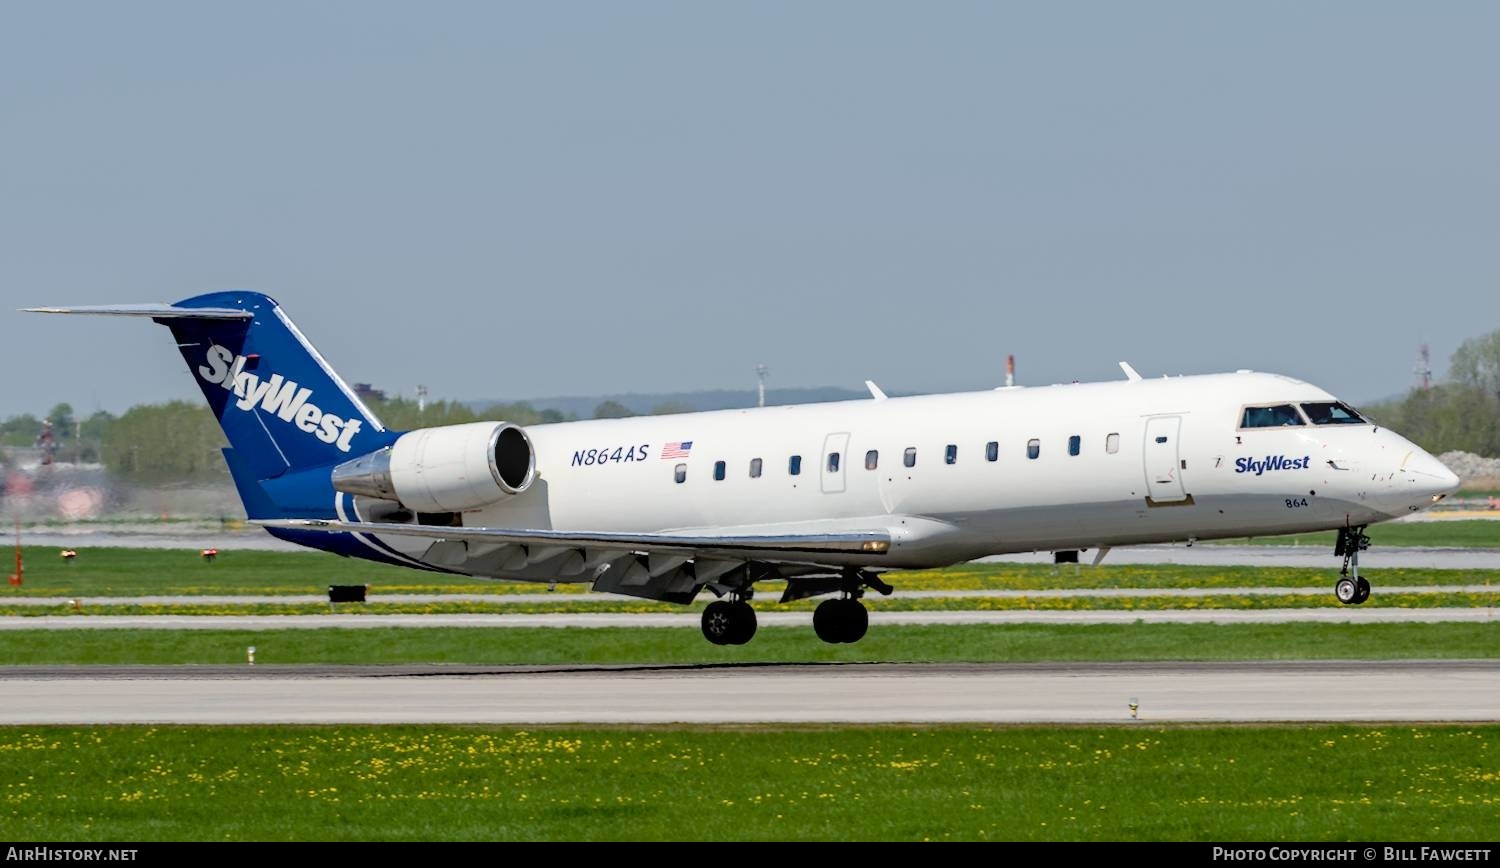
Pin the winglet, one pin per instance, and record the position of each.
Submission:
(1130, 373)
(874, 390)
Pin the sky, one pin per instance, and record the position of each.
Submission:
(511, 200)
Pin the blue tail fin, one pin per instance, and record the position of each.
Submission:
(288, 417)
(280, 404)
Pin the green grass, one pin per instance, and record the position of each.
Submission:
(1478, 491)
(946, 643)
(1319, 783)
(1457, 533)
(133, 572)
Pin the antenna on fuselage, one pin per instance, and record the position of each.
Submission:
(1130, 373)
(1010, 370)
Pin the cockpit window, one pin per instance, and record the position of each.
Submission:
(1333, 413)
(1275, 416)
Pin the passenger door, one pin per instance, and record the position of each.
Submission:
(835, 462)
(1164, 461)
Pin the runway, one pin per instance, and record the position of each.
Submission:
(685, 620)
(835, 693)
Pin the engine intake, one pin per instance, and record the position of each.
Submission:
(450, 469)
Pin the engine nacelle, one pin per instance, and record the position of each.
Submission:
(450, 469)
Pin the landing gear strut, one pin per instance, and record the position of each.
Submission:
(729, 622)
(1351, 589)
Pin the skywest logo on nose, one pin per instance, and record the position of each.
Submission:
(1270, 462)
(277, 395)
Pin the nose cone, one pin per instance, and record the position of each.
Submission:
(1429, 477)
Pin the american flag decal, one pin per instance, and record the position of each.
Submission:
(677, 450)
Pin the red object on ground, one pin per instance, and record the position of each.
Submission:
(15, 577)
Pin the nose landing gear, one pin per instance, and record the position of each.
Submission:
(1351, 589)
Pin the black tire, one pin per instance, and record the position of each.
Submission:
(856, 621)
(827, 620)
(719, 622)
(744, 623)
(1346, 590)
(1362, 593)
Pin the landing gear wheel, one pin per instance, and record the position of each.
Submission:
(718, 622)
(856, 621)
(1346, 590)
(824, 617)
(1363, 593)
(840, 622)
(744, 623)
(728, 622)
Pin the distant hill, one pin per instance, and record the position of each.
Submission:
(710, 399)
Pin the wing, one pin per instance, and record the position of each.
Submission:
(658, 566)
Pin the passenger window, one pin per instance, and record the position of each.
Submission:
(755, 468)
(833, 462)
(910, 458)
(1275, 416)
(681, 473)
(1033, 448)
(872, 459)
(794, 466)
(1332, 413)
(1112, 444)
(719, 471)
(1075, 445)
(951, 455)
(992, 451)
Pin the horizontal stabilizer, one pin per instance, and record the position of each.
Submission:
(865, 542)
(155, 311)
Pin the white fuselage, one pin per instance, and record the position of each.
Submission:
(1157, 460)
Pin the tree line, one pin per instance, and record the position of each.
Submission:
(179, 441)
(1461, 413)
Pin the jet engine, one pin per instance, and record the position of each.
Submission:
(450, 469)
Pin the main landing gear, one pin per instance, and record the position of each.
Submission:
(1351, 589)
(844, 619)
(837, 621)
(729, 622)
(841, 621)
